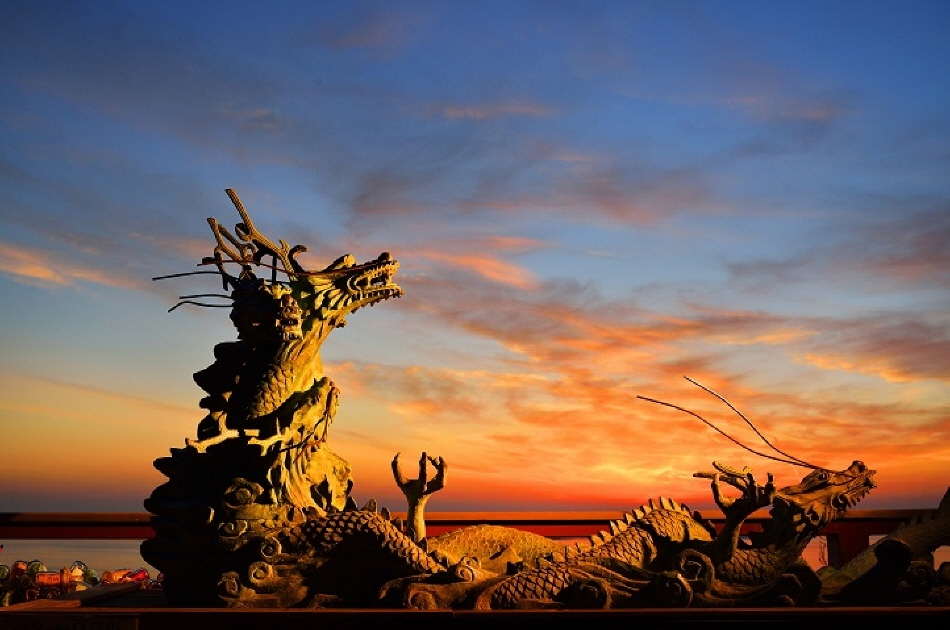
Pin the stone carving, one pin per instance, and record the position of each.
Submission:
(257, 510)
(663, 554)
(260, 459)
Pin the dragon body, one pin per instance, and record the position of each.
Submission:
(661, 554)
(497, 549)
(664, 554)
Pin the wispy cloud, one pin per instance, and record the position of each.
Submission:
(44, 268)
(487, 266)
(483, 112)
(910, 247)
(487, 257)
(376, 27)
(820, 108)
(902, 250)
(895, 348)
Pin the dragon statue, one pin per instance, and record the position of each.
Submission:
(260, 459)
(664, 554)
(257, 510)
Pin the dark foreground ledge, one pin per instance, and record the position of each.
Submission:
(146, 610)
(846, 537)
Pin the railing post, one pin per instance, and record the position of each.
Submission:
(833, 549)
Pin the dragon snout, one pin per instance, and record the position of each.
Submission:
(858, 469)
(860, 484)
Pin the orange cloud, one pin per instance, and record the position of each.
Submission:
(30, 265)
(479, 257)
(832, 362)
(35, 266)
(488, 267)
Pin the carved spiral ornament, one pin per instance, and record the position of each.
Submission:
(467, 569)
(260, 573)
(270, 548)
(230, 585)
(696, 567)
(232, 529)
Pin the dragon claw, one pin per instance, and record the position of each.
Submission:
(753, 495)
(422, 485)
(419, 490)
(401, 480)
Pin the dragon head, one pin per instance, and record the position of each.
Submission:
(822, 496)
(328, 296)
(307, 300)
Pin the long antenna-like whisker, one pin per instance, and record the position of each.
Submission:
(183, 302)
(726, 435)
(202, 295)
(187, 273)
(749, 422)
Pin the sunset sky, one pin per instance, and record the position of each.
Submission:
(590, 201)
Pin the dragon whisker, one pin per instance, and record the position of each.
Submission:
(201, 295)
(187, 273)
(752, 426)
(793, 462)
(183, 302)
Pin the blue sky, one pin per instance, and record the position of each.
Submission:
(589, 201)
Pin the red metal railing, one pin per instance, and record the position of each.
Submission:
(846, 537)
